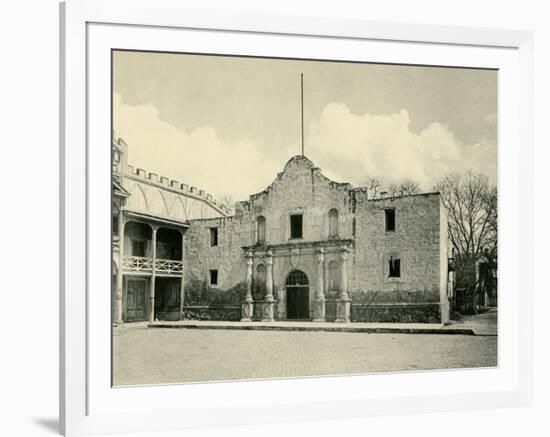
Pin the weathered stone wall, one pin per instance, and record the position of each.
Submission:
(419, 241)
(415, 241)
(227, 258)
(301, 189)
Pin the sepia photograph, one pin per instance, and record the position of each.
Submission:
(289, 218)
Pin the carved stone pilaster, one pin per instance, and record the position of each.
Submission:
(269, 277)
(247, 307)
(344, 273)
(343, 303)
(319, 300)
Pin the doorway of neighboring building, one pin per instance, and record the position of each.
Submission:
(297, 296)
(136, 299)
(167, 298)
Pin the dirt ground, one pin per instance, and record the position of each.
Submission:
(155, 356)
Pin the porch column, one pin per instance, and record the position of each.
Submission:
(343, 304)
(120, 270)
(182, 288)
(269, 306)
(319, 301)
(247, 305)
(152, 289)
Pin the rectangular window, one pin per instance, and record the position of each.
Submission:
(390, 220)
(296, 226)
(213, 236)
(395, 268)
(213, 277)
(138, 248)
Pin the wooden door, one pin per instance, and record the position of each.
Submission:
(297, 303)
(136, 299)
(302, 303)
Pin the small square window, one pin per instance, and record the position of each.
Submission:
(213, 277)
(213, 237)
(390, 220)
(296, 226)
(395, 268)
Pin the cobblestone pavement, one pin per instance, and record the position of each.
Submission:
(156, 356)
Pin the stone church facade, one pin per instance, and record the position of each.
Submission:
(306, 248)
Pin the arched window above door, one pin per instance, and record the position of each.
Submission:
(297, 278)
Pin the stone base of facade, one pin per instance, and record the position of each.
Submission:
(168, 316)
(205, 312)
(247, 310)
(331, 310)
(267, 310)
(400, 313)
(343, 307)
(319, 310)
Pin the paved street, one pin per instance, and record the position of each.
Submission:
(154, 356)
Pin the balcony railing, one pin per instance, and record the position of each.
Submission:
(169, 266)
(145, 265)
(137, 264)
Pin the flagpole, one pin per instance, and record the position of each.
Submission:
(302, 107)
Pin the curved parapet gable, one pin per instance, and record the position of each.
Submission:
(296, 169)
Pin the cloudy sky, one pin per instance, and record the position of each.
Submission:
(228, 125)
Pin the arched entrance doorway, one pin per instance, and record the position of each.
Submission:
(297, 296)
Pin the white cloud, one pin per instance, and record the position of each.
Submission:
(198, 158)
(348, 147)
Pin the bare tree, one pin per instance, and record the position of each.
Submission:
(374, 185)
(405, 187)
(228, 201)
(490, 201)
(472, 205)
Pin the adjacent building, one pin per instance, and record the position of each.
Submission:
(305, 248)
(150, 217)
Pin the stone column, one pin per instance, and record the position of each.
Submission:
(182, 289)
(269, 306)
(343, 304)
(152, 288)
(120, 269)
(344, 274)
(247, 306)
(319, 301)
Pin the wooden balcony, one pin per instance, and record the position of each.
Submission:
(143, 264)
(169, 266)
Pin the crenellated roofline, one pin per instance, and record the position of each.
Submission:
(152, 178)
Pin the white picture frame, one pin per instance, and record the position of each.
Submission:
(89, 406)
